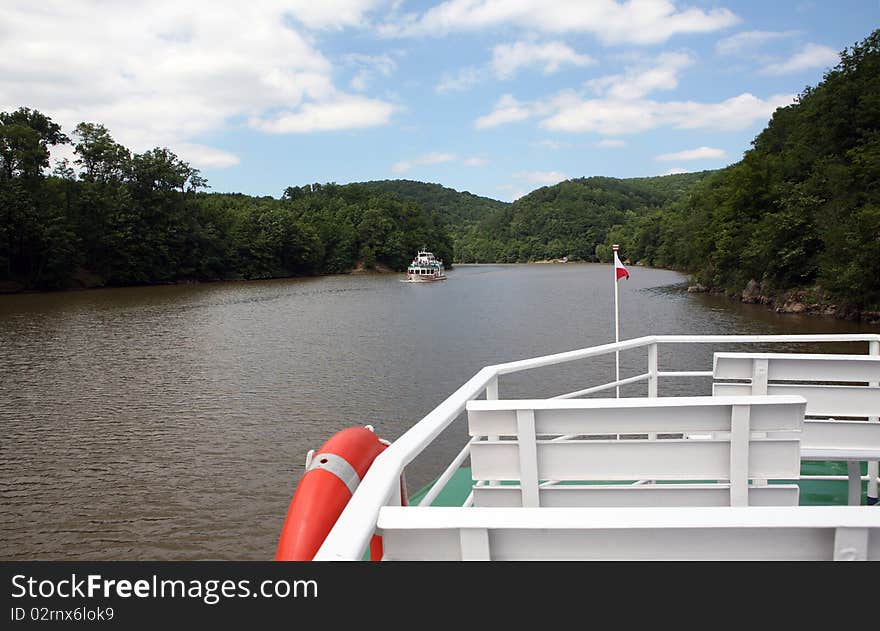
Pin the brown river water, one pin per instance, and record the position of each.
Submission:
(172, 422)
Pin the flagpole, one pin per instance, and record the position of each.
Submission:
(616, 320)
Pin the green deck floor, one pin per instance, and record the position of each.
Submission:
(813, 492)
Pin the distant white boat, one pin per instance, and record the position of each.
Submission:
(425, 268)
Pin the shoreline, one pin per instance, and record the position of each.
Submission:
(804, 301)
(811, 301)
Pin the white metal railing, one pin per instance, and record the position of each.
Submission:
(351, 534)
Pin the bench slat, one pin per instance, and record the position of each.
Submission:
(632, 416)
(637, 495)
(718, 533)
(799, 366)
(859, 401)
(635, 459)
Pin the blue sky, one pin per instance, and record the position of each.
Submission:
(496, 97)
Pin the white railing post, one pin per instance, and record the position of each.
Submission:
(492, 389)
(740, 432)
(652, 378)
(492, 395)
(653, 371)
(873, 467)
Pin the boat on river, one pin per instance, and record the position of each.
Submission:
(776, 459)
(425, 268)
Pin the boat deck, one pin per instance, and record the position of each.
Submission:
(778, 459)
(812, 492)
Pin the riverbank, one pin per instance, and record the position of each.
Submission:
(83, 279)
(804, 301)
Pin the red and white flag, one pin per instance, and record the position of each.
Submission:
(619, 269)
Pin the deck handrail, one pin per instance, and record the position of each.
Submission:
(349, 538)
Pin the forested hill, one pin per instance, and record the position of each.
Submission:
(798, 216)
(114, 217)
(570, 219)
(458, 208)
(801, 210)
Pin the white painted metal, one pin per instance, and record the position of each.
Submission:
(528, 457)
(634, 415)
(739, 456)
(637, 495)
(851, 544)
(856, 437)
(636, 459)
(685, 373)
(855, 482)
(873, 465)
(474, 544)
(659, 533)
(822, 400)
(653, 370)
(616, 323)
(349, 538)
(799, 366)
(492, 388)
(604, 386)
(579, 460)
(826, 440)
(492, 394)
(440, 484)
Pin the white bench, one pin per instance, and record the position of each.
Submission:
(819, 379)
(632, 533)
(535, 444)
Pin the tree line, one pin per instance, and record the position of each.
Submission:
(800, 210)
(114, 217)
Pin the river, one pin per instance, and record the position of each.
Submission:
(172, 422)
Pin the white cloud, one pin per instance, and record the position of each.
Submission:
(342, 112)
(810, 56)
(167, 73)
(541, 177)
(508, 58)
(207, 157)
(700, 153)
(551, 144)
(437, 157)
(429, 158)
(611, 143)
(507, 110)
(738, 112)
(333, 14)
(635, 82)
(368, 66)
(748, 41)
(462, 80)
(676, 171)
(475, 162)
(634, 22)
(613, 117)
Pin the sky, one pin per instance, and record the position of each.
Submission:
(494, 97)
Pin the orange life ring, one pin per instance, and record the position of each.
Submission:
(331, 478)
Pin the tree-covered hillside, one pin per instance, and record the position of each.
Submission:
(460, 210)
(801, 209)
(119, 218)
(569, 219)
(456, 207)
